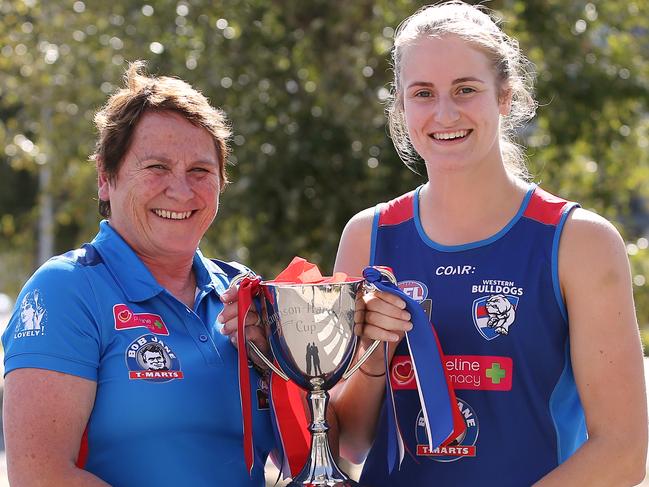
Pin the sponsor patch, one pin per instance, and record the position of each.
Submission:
(463, 446)
(32, 315)
(402, 373)
(415, 289)
(470, 372)
(125, 319)
(149, 358)
(479, 372)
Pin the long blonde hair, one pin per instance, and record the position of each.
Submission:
(514, 73)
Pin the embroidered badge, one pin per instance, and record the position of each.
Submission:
(417, 290)
(125, 319)
(32, 315)
(494, 315)
(149, 358)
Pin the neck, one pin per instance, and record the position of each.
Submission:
(461, 207)
(176, 276)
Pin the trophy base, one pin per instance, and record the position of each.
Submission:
(344, 483)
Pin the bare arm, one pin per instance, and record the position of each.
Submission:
(44, 415)
(379, 316)
(606, 356)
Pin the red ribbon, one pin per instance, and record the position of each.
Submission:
(248, 287)
(288, 406)
(292, 422)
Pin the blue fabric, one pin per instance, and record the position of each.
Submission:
(431, 379)
(515, 390)
(180, 426)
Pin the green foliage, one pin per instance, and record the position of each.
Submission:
(303, 84)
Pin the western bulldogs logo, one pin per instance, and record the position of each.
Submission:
(463, 446)
(149, 358)
(494, 315)
(32, 315)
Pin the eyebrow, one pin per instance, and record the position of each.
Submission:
(455, 82)
(166, 160)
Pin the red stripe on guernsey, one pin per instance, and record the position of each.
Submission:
(292, 422)
(398, 210)
(544, 207)
(82, 458)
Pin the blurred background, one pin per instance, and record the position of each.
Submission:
(304, 85)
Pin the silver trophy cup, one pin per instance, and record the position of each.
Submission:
(310, 328)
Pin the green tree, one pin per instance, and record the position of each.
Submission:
(304, 84)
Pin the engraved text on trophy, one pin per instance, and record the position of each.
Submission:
(317, 325)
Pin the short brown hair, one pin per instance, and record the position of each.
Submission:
(117, 119)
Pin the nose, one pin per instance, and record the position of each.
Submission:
(180, 187)
(446, 113)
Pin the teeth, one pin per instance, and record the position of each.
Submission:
(450, 135)
(173, 215)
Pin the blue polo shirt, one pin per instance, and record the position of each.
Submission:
(167, 406)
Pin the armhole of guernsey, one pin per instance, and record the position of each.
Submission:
(550, 210)
(565, 406)
(393, 212)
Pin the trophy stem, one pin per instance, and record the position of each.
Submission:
(320, 468)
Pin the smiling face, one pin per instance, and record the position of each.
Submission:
(166, 192)
(451, 103)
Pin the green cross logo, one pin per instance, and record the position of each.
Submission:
(495, 373)
(158, 324)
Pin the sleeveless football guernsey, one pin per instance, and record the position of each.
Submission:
(497, 308)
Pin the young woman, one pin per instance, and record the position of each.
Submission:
(530, 295)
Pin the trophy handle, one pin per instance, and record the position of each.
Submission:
(265, 360)
(369, 287)
(361, 361)
(235, 282)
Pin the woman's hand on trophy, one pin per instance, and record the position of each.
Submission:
(381, 316)
(254, 329)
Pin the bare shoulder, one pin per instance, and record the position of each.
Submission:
(360, 225)
(589, 239)
(354, 247)
(586, 224)
(593, 263)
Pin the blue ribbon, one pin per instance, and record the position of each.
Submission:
(436, 402)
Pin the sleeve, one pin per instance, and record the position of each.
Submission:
(227, 271)
(54, 324)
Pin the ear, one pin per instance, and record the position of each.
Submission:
(505, 101)
(103, 184)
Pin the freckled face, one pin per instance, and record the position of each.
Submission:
(166, 193)
(451, 103)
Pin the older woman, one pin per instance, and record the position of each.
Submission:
(124, 378)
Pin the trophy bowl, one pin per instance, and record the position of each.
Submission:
(310, 328)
